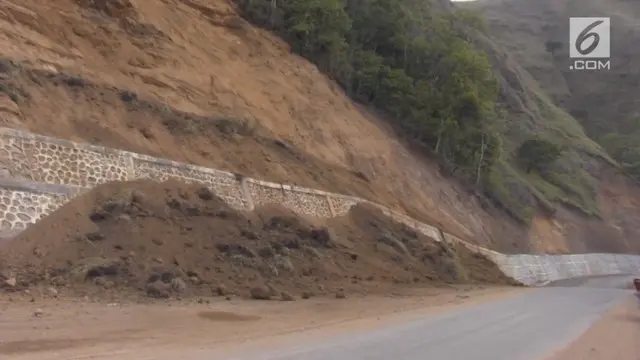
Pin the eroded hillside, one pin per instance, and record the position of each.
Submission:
(536, 39)
(192, 81)
(604, 102)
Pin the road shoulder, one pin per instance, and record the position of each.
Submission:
(615, 336)
(82, 330)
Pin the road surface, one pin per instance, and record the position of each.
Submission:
(527, 327)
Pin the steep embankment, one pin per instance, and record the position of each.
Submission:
(536, 38)
(192, 81)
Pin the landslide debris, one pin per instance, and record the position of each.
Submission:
(172, 240)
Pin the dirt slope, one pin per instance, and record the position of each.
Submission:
(164, 77)
(191, 81)
(172, 239)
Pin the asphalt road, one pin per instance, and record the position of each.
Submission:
(526, 327)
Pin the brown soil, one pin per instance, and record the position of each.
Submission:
(176, 240)
(87, 329)
(191, 81)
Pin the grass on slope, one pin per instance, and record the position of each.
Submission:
(602, 102)
(566, 182)
(438, 89)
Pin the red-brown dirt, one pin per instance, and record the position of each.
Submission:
(176, 240)
(191, 81)
(66, 328)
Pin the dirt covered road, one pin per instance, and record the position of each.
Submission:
(169, 266)
(89, 329)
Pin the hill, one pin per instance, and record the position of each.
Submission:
(197, 81)
(602, 101)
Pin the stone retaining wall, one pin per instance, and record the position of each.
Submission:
(38, 174)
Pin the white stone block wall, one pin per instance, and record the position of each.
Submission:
(38, 174)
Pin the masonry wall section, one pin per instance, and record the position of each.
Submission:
(38, 174)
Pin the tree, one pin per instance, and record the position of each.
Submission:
(552, 46)
(317, 28)
(536, 154)
(625, 148)
(413, 63)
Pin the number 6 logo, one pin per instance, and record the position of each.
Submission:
(589, 37)
(587, 34)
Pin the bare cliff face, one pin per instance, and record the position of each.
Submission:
(192, 81)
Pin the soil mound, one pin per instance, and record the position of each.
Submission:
(166, 240)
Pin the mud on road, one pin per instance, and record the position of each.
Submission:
(49, 329)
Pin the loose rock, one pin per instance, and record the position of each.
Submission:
(158, 290)
(221, 290)
(285, 296)
(178, 285)
(178, 241)
(51, 291)
(11, 282)
(260, 293)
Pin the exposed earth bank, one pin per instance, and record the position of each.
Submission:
(192, 81)
(171, 240)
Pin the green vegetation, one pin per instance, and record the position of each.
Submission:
(624, 146)
(418, 64)
(398, 56)
(537, 154)
(561, 179)
(553, 46)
